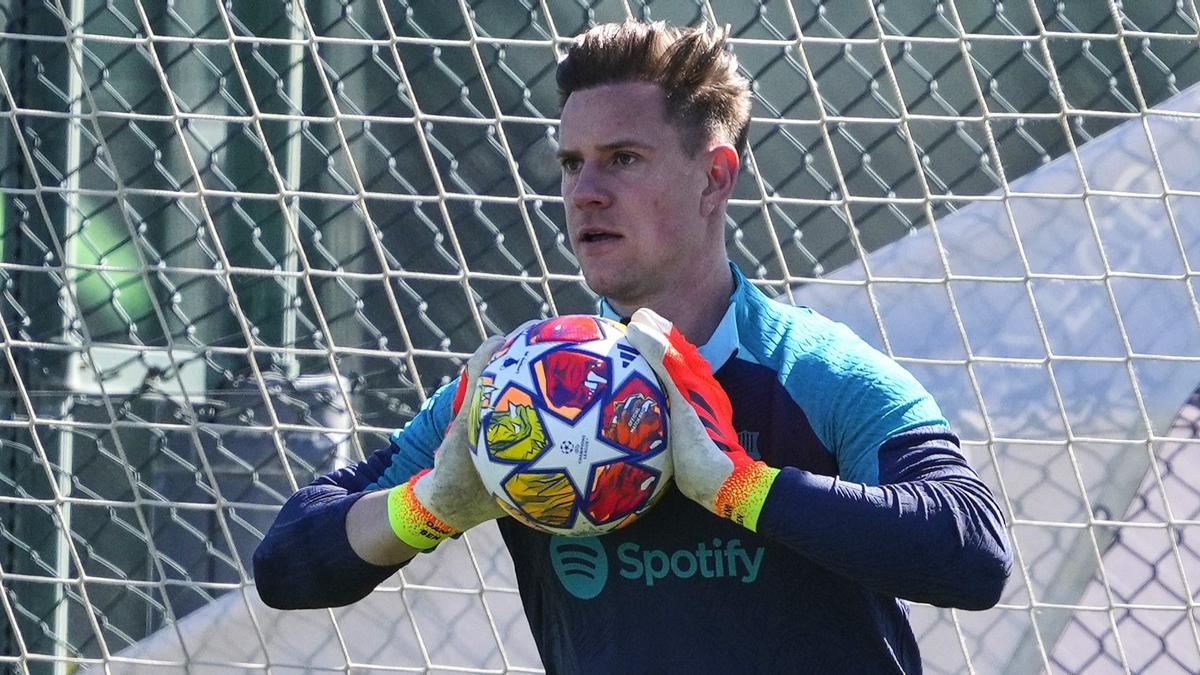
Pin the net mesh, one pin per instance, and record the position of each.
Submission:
(242, 242)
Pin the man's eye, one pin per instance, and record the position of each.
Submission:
(625, 159)
(570, 165)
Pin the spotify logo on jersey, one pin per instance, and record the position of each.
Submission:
(581, 565)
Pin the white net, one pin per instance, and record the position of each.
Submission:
(241, 242)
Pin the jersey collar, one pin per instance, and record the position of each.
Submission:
(724, 341)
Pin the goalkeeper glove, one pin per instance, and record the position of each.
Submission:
(449, 498)
(711, 467)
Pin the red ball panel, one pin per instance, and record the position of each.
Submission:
(633, 417)
(618, 490)
(570, 328)
(571, 381)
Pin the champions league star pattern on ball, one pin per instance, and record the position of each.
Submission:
(569, 427)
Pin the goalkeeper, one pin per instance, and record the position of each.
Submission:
(791, 553)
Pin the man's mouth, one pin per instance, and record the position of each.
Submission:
(591, 237)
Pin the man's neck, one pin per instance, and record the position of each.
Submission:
(695, 311)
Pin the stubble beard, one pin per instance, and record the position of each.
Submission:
(612, 285)
(625, 292)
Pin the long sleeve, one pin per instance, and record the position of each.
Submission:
(929, 532)
(900, 511)
(305, 560)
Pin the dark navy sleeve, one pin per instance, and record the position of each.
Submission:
(305, 560)
(929, 532)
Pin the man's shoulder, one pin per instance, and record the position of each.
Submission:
(817, 359)
(782, 335)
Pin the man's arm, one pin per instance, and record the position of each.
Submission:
(306, 559)
(330, 545)
(931, 532)
(907, 515)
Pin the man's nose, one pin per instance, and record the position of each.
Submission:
(589, 191)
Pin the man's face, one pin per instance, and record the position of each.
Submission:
(632, 194)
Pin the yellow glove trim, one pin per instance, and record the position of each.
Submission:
(743, 494)
(412, 523)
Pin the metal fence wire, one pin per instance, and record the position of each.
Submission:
(242, 241)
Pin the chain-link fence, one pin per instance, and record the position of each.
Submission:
(243, 241)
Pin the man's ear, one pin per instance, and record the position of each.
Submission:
(723, 165)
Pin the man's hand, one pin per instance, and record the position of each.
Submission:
(711, 467)
(449, 498)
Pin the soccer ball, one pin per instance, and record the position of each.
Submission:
(569, 427)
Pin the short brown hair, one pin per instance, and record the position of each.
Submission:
(704, 91)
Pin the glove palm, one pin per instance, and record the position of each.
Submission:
(711, 466)
(449, 498)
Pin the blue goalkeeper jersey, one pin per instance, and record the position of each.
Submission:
(874, 503)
